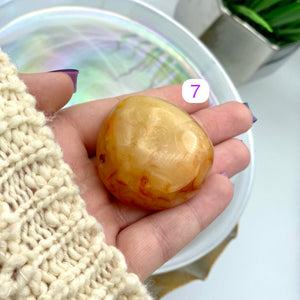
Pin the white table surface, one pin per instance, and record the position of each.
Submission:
(264, 261)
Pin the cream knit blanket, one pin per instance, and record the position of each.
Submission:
(50, 248)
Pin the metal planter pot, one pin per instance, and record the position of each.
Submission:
(244, 52)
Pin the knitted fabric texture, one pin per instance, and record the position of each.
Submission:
(50, 248)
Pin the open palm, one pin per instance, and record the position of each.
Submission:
(146, 238)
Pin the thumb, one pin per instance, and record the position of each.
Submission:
(52, 90)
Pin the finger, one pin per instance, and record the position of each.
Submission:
(87, 117)
(173, 94)
(224, 121)
(52, 90)
(150, 242)
(97, 198)
(231, 157)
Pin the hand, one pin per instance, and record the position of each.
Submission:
(147, 239)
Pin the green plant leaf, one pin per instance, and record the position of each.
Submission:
(253, 16)
(292, 37)
(284, 15)
(254, 4)
(295, 24)
(288, 31)
(260, 5)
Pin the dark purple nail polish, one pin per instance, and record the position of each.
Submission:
(73, 73)
(254, 119)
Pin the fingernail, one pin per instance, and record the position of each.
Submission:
(254, 119)
(225, 174)
(73, 73)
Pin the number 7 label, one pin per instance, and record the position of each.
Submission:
(195, 90)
